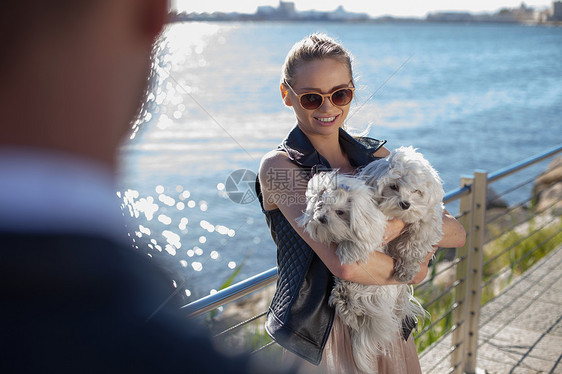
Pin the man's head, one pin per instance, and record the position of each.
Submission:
(74, 72)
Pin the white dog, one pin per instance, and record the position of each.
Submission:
(342, 209)
(407, 187)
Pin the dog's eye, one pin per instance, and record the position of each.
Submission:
(340, 212)
(394, 187)
(419, 192)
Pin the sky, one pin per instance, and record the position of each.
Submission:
(401, 8)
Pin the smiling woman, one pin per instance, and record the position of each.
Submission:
(315, 68)
(317, 83)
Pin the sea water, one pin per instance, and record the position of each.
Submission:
(469, 96)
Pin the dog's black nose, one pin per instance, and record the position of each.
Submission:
(323, 219)
(404, 205)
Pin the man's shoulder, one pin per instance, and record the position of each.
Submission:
(47, 264)
(75, 300)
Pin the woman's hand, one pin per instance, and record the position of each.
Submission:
(424, 267)
(393, 229)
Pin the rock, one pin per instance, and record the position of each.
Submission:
(553, 173)
(547, 191)
(551, 198)
(493, 200)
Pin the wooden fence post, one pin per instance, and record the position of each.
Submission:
(476, 259)
(460, 314)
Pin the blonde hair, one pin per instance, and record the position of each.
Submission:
(314, 47)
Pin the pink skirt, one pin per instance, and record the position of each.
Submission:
(400, 358)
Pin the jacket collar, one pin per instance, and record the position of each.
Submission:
(301, 151)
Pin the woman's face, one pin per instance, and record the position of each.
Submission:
(324, 77)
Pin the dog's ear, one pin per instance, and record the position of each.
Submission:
(389, 177)
(435, 192)
(374, 174)
(308, 213)
(319, 183)
(313, 192)
(367, 222)
(400, 160)
(323, 181)
(303, 219)
(433, 185)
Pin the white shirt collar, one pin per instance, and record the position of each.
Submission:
(49, 192)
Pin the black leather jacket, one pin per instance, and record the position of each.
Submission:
(299, 317)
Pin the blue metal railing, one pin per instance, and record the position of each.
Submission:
(523, 164)
(232, 293)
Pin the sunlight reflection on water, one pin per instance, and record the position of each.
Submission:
(167, 240)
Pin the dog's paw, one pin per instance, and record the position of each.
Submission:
(343, 303)
(405, 274)
(402, 277)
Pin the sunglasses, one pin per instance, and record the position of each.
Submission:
(312, 100)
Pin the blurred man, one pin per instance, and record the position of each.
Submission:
(74, 296)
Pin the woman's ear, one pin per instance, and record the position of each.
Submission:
(284, 95)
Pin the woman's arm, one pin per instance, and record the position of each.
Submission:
(454, 235)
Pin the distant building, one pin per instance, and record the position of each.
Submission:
(285, 10)
(557, 10)
(523, 13)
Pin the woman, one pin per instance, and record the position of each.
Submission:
(317, 83)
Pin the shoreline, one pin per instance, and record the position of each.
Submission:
(385, 21)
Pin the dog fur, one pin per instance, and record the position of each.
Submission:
(407, 187)
(343, 209)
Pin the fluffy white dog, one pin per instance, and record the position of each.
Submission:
(407, 187)
(342, 209)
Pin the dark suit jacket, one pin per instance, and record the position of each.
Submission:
(75, 304)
